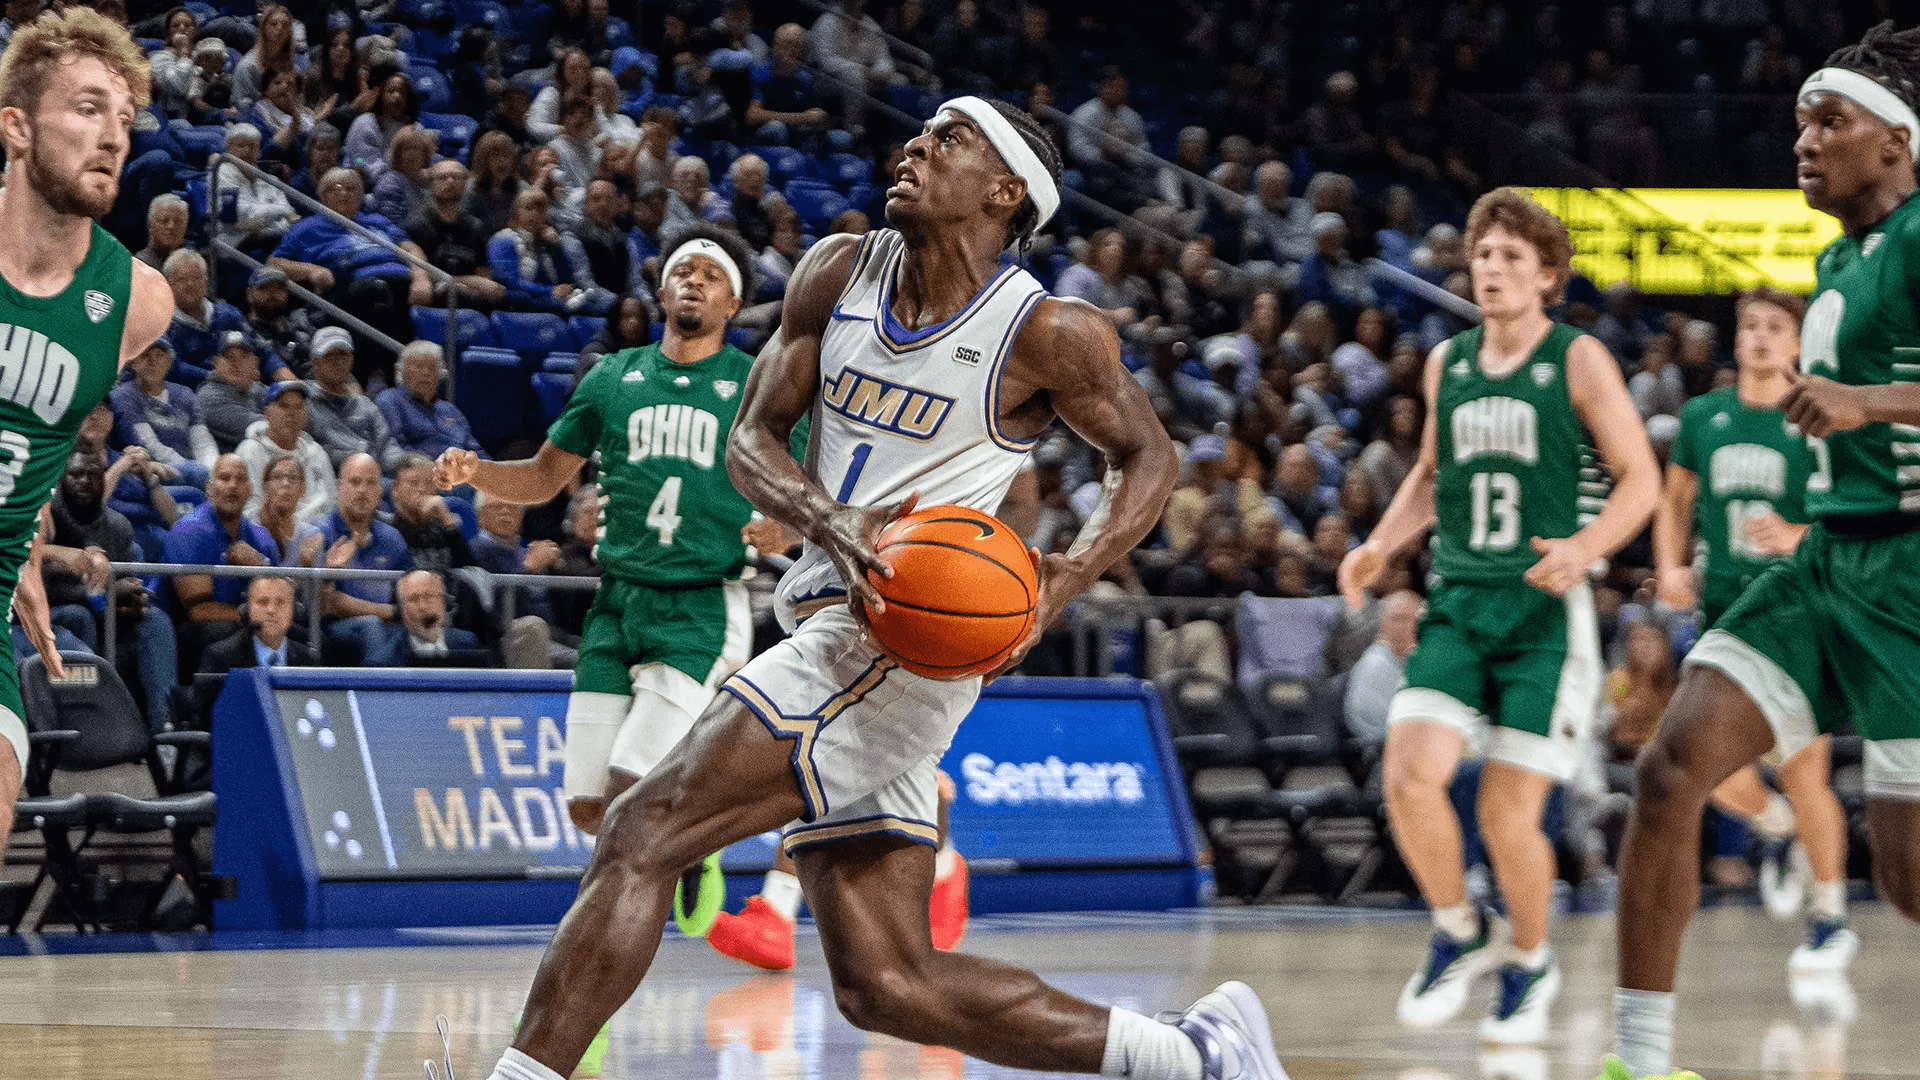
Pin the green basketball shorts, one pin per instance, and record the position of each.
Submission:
(1830, 634)
(1511, 656)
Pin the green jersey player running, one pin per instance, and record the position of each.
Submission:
(670, 619)
(74, 305)
(1509, 637)
(1833, 633)
(1737, 479)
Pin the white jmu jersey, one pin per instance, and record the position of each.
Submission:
(902, 411)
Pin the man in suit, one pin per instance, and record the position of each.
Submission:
(263, 641)
(429, 641)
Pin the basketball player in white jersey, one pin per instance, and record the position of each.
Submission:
(929, 370)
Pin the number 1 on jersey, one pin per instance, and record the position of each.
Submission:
(1496, 512)
(854, 467)
(664, 514)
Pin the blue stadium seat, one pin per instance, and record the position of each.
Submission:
(435, 93)
(490, 389)
(915, 101)
(562, 363)
(743, 337)
(532, 334)
(455, 131)
(619, 33)
(552, 388)
(474, 329)
(817, 207)
(436, 44)
(784, 163)
(848, 171)
(199, 141)
(585, 328)
(862, 197)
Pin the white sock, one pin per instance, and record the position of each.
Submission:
(1643, 1030)
(515, 1065)
(944, 862)
(1828, 899)
(1142, 1048)
(1533, 959)
(781, 891)
(1776, 821)
(1461, 921)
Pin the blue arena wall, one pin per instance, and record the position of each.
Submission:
(393, 798)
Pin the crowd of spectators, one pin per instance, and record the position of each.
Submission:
(1249, 163)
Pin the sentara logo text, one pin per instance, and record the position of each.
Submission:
(1062, 783)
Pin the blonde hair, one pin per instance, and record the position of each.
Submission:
(409, 136)
(1517, 211)
(48, 41)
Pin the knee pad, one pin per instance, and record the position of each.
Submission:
(665, 703)
(593, 722)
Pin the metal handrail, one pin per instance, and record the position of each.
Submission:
(353, 322)
(214, 161)
(1424, 289)
(1219, 190)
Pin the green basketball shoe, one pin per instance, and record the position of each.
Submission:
(708, 889)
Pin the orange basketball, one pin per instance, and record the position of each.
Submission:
(961, 596)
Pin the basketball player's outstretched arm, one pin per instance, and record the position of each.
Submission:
(523, 483)
(1411, 510)
(780, 390)
(1672, 528)
(149, 311)
(1067, 357)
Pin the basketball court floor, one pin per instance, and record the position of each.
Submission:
(266, 1007)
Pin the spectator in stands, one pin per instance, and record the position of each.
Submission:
(1699, 356)
(342, 420)
(785, 109)
(474, 73)
(274, 321)
(528, 260)
(1217, 567)
(1181, 185)
(339, 77)
(781, 255)
(1420, 141)
(272, 51)
(431, 529)
(172, 65)
(1390, 457)
(1298, 492)
(1279, 226)
(261, 214)
(397, 106)
(417, 421)
(284, 120)
(83, 522)
(849, 45)
(578, 156)
(599, 252)
(426, 636)
(1336, 131)
(163, 418)
(284, 489)
(361, 275)
(576, 559)
(216, 533)
(198, 322)
(231, 396)
(454, 239)
(1658, 387)
(1202, 294)
(850, 223)
(283, 430)
(362, 612)
(499, 547)
(495, 181)
(1034, 60)
(649, 219)
(322, 157)
(403, 190)
(509, 117)
(969, 59)
(264, 640)
(210, 95)
(166, 230)
(573, 77)
(1101, 279)
(753, 205)
(690, 201)
(658, 128)
(612, 126)
(1378, 675)
(1363, 374)
(1107, 141)
(1330, 275)
(1332, 539)
(629, 326)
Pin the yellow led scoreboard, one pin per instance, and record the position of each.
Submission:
(1692, 240)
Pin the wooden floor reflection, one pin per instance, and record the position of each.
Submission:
(1329, 981)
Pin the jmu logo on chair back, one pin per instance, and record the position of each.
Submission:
(37, 373)
(889, 406)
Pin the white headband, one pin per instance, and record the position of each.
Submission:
(1869, 95)
(1020, 158)
(700, 245)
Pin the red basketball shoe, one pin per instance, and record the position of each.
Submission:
(759, 935)
(949, 907)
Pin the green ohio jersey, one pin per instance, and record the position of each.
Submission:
(1511, 453)
(1750, 463)
(669, 513)
(1861, 329)
(59, 356)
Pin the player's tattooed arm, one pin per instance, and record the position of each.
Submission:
(780, 390)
